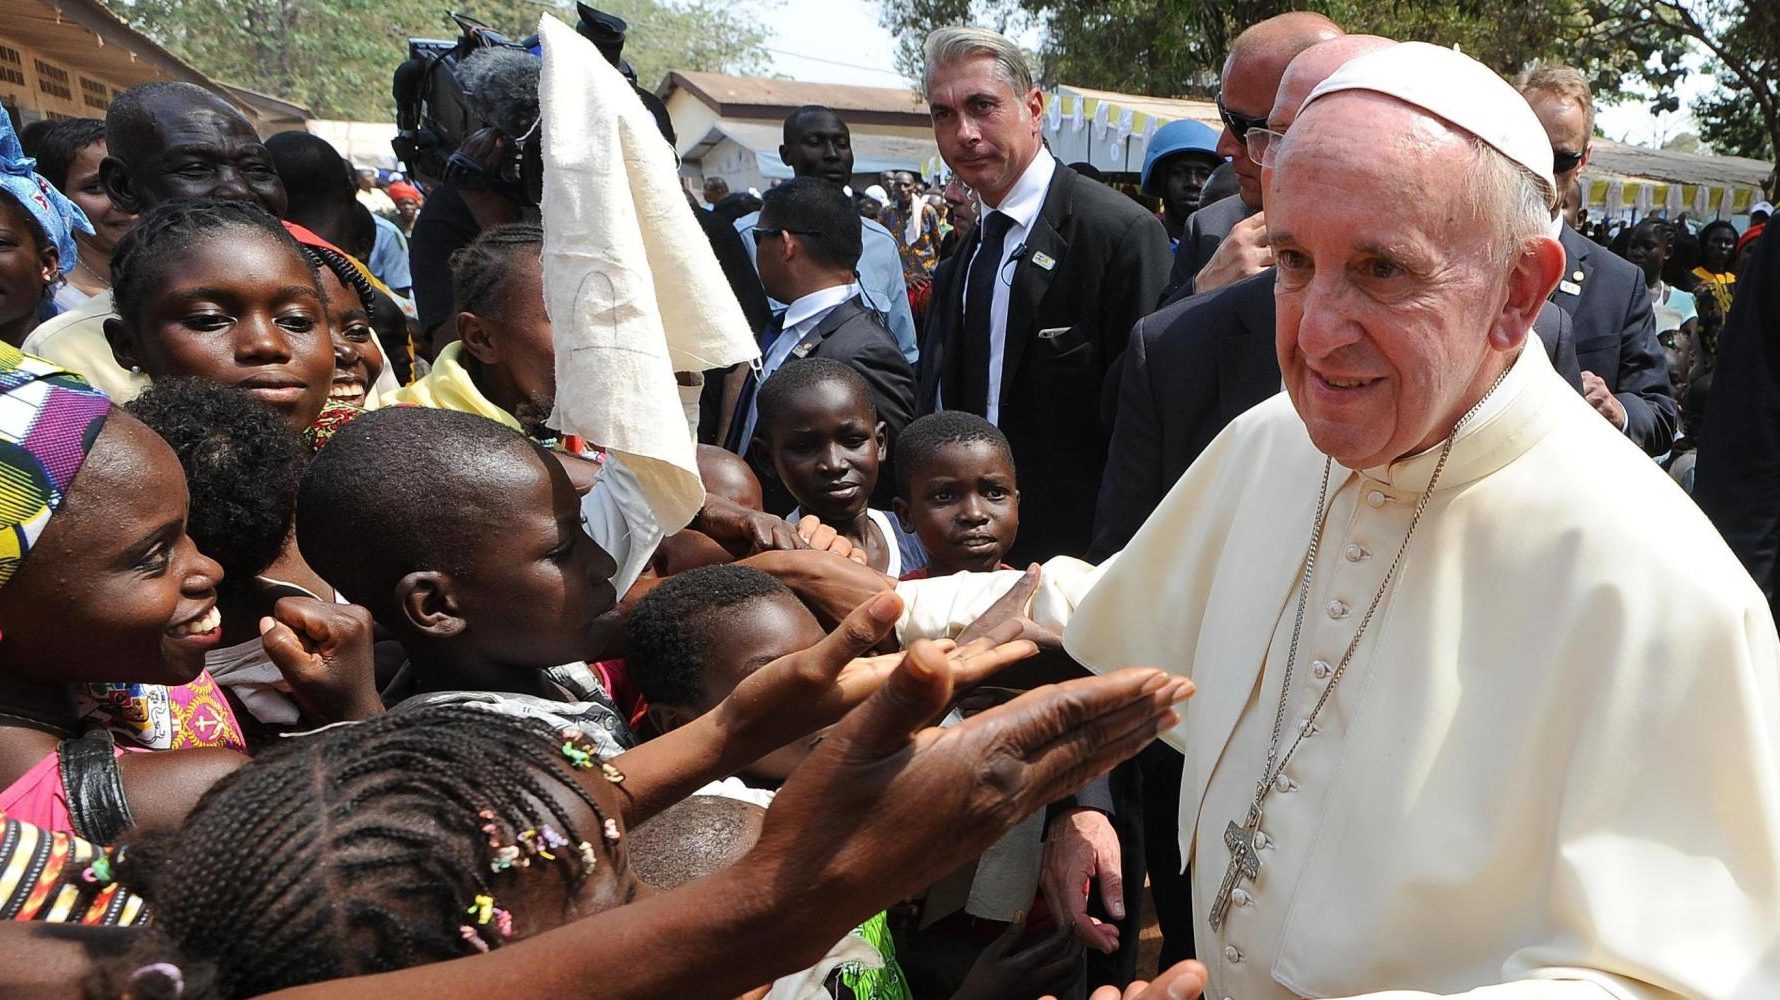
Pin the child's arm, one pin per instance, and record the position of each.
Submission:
(880, 810)
(789, 698)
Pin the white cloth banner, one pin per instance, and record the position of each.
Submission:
(632, 288)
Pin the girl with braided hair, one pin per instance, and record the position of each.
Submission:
(412, 838)
(221, 290)
(351, 298)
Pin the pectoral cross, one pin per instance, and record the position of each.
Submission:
(1244, 862)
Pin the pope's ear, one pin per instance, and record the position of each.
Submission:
(1535, 272)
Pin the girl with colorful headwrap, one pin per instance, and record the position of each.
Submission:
(99, 585)
(37, 227)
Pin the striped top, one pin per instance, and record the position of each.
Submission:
(42, 877)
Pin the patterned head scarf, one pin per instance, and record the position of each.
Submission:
(56, 215)
(49, 419)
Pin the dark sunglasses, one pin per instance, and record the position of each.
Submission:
(1238, 124)
(1563, 161)
(764, 233)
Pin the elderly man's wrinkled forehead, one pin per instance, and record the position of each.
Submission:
(173, 115)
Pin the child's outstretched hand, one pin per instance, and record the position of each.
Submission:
(1046, 967)
(324, 652)
(798, 694)
(823, 538)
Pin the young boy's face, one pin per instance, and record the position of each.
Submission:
(963, 505)
(764, 630)
(826, 446)
(537, 584)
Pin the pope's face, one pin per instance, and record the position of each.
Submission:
(1386, 291)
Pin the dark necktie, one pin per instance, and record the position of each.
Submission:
(744, 401)
(979, 300)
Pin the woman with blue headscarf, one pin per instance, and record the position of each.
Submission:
(37, 225)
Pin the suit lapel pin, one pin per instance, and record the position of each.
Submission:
(1043, 261)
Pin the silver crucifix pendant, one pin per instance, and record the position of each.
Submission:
(1244, 862)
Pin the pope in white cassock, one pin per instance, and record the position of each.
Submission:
(1460, 728)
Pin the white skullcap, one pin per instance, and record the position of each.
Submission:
(1456, 88)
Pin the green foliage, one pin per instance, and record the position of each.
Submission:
(1627, 47)
(336, 56)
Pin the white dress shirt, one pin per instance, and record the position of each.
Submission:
(801, 317)
(1022, 204)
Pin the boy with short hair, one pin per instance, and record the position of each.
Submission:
(826, 443)
(956, 491)
(699, 634)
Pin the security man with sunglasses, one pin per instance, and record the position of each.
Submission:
(1624, 374)
(1257, 60)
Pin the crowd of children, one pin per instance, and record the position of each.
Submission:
(312, 669)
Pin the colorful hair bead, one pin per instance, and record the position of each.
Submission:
(469, 934)
(612, 774)
(482, 909)
(612, 830)
(589, 860)
(99, 872)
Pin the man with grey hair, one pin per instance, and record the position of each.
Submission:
(1449, 738)
(1028, 317)
(1624, 374)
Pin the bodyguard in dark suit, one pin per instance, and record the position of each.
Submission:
(807, 244)
(1609, 305)
(1028, 317)
(1605, 295)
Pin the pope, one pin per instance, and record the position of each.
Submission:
(1459, 731)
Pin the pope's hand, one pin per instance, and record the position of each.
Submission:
(1081, 849)
(1013, 607)
(1243, 253)
(1594, 389)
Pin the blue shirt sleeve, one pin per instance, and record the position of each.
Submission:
(880, 277)
(389, 255)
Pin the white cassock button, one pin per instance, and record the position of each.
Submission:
(1231, 955)
(1320, 669)
(1261, 841)
(1375, 498)
(1337, 610)
(1354, 553)
(1285, 784)
(1308, 728)
(1241, 897)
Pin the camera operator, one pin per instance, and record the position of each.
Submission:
(501, 85)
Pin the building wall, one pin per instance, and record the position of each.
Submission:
(33, 88)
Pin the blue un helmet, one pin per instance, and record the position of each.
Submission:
(1184, 136)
